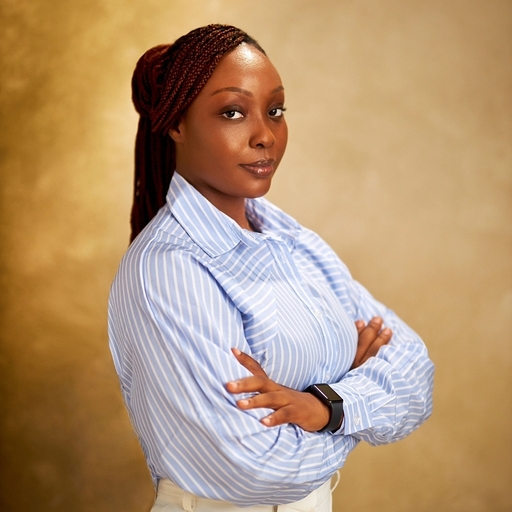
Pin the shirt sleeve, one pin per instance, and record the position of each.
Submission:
(390, 395)
(171, 330)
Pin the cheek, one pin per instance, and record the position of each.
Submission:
(282, 140)
(213, 144)
(230, 141)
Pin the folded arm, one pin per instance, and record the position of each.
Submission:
(294, 406)
(173, 354)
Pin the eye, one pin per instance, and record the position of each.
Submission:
(277, 112)
(232, 114)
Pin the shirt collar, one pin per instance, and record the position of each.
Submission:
(215, 232)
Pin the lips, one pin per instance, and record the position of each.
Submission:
(260, 167)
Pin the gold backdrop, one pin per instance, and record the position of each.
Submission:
(400, 156)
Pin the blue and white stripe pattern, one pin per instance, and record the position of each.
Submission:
(192, 286)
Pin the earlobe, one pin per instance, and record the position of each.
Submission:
(176, 133)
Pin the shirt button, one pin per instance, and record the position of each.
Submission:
(317, 313)
(357, 420)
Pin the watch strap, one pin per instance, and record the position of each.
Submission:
(329, 397)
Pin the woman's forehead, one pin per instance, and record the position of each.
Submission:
(245, 66)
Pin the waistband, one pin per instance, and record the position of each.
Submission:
(169, 494)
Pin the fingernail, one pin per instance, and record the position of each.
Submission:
(236, 351)
(243, 403)
(265, 421)
(386, 331)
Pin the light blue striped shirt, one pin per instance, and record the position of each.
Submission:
(192, 286)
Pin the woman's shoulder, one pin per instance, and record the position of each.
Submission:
(163, 239)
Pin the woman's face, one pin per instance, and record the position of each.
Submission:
(233, 136)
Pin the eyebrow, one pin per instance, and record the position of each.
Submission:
(245, 92)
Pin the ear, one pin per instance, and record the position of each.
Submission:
(178, 134)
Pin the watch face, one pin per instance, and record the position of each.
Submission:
(329, 393)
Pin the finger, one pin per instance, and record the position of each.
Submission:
(382, 339)
(374, 326)
(290, 414)
(360, 325)
(367, 336)
(370, 332)
(275, 419)
(282, 416)
(248, 362)
(253, 384)
(271, 400)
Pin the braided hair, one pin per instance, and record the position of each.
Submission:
(165, 82)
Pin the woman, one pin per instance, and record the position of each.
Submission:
(250, 361)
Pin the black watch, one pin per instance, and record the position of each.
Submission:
(329, 397)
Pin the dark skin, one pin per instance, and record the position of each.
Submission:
(297, 407)
(231, 140)
(228, 146)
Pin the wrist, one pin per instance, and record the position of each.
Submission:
(332, 401)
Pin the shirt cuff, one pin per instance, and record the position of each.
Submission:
(356, 414)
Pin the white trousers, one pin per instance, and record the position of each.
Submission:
(170, 498)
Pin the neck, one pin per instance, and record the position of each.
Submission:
(239, 216)
(232, 206)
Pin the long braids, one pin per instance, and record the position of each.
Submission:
(165, 82)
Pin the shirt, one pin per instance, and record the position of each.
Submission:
(192, 286)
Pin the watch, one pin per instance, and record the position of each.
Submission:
(329, 397)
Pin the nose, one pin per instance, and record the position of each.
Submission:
(262, 135)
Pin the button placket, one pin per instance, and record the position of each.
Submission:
(294, 278)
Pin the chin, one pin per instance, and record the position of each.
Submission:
(258, 191)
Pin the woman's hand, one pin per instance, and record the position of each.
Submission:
(370, 339)
(289, 406)
(297, 407)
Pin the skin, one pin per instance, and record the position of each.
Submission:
(233, 136)
(229, 144)
(370, 338)
(289, 405)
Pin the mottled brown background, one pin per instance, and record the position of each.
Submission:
(400, 156)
